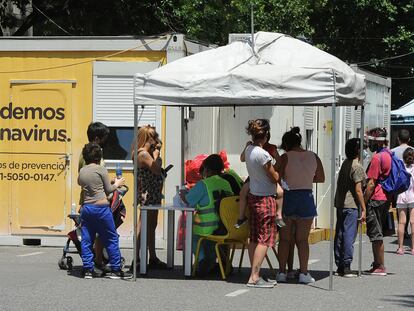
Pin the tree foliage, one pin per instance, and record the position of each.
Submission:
(358, 31)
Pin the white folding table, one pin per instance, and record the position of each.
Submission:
(170, 208)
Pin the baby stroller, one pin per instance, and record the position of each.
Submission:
(74, 236)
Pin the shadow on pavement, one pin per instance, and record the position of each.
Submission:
(236, 277)
(401, 300)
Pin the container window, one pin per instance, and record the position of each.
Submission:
(118, 145)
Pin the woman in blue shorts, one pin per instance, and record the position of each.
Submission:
(300, 169)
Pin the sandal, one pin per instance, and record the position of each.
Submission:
(400, 251)
(260, 283)
(157, 264)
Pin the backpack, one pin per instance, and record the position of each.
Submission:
(398, 180)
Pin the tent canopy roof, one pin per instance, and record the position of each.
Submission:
(281, 71)
(405, 111)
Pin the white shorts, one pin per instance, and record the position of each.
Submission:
(405, 205)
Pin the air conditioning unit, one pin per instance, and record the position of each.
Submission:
(239, 37)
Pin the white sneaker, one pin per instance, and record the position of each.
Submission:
(306, 278)
(281, 277)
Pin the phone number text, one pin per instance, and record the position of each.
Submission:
(27, 177)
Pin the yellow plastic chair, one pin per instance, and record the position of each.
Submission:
(229, 212)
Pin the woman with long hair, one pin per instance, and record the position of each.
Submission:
(149, 185)
(405, 204)
(300, 169)
(261, 199)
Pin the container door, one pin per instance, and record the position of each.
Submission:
(37, 156)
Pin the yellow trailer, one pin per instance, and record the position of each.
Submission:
(50, 90)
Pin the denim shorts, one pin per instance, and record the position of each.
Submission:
(299, 204)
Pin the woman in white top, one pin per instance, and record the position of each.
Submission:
(405, 204)
(300, 169)
(261, 199)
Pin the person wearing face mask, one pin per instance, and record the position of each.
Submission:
(376, 200)
(204, 197)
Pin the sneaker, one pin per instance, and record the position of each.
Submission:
(281, 277)
(103, 268)
(280, 223)
(260, 283)
(306, 278)
(375, 270)
(339, 271)
(269, 280)
(88, 274)
(348, 273)
(241, 222)
(291, 275)
(400, 251)
(116, 275)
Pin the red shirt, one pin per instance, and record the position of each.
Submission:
(380, 167)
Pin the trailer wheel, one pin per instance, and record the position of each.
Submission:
(62, 263)
(69, 262)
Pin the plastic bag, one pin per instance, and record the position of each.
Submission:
(192, 167)
(181, 232)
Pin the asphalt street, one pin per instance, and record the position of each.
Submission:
(31, 280)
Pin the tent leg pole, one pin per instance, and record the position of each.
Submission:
(134, 239)
(331, 228)
(182, 145)
(361, 157)
(182, 177)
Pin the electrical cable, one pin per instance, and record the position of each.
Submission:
(49, 19)
(383, 59)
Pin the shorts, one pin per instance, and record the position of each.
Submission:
(299, 204)
(405, 205)
(376, 219)
(262, 219)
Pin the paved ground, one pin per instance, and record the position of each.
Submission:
(31, 280)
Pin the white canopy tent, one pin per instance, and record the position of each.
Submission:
(405, 111)
(278, 70)
(403, 115)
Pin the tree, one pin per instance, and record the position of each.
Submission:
(358, 31)
(86, 17)
(367, 31)
(213, 20)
